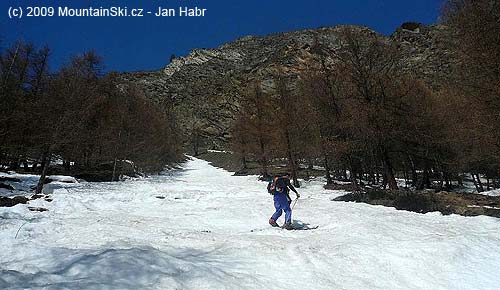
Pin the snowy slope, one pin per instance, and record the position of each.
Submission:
(211, 232)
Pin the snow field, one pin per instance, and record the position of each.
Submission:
(210, 232)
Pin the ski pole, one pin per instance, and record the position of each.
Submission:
(294, 203)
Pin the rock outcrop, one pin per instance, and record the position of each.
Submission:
(204, 87)
(426, 50)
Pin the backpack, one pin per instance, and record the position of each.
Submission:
(277, 185)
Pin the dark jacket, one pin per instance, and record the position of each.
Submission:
(280, 185)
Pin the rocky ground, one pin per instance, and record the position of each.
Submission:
(466, 204)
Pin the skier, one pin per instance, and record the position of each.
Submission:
(280, 187)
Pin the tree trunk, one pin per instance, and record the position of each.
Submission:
(34, 166)
(414, 176)
(447, 180)
(460, 180)
(14, 165)
(263, 158)
(67, 165)
(327, 170)
(477, 182)
(195, 149)
(389, 171)
(244, 162)
(45, 167)
(326, 160)
(291, 160)
(114, 170)
(405, 174)
(372, 177)
(353, 177)
(425, 182)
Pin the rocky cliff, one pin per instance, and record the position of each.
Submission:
(204, 87)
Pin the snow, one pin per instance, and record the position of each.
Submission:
(29, 181)
(217, 151)
(210, 232)
(63, 179)
(483, 206)
(21, 188)
(495, 192)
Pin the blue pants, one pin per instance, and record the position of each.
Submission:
(281, 204)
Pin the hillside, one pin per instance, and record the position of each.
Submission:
(205, 85)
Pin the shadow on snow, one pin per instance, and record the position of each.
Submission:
(135, 268)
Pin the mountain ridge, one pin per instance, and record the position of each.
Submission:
(204, 86)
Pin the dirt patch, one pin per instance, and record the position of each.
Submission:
(465, 204)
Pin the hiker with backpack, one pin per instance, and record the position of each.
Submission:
(280, 187)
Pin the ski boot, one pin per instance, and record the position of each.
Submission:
(273, 223)
(287, 226)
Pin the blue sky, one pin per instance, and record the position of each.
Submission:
(145, 43)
